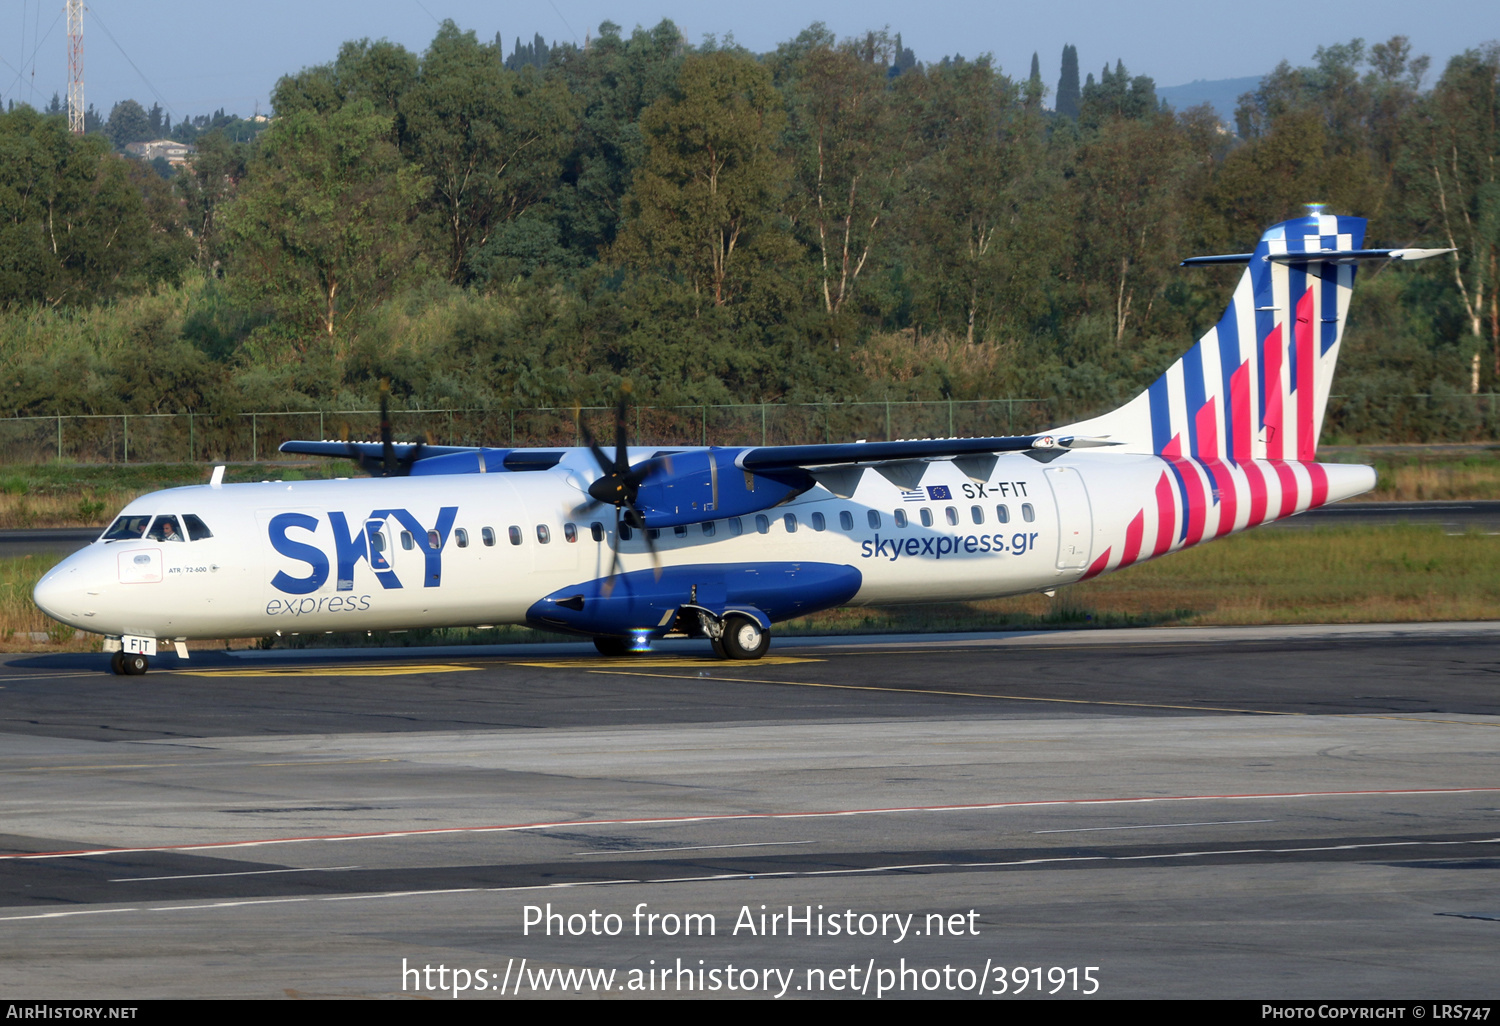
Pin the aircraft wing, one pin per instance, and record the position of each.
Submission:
(367, 450)
(812, 457)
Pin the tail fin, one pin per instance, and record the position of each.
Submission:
(1256, 385)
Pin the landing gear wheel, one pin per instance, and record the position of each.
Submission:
(744, 638)
(117, 664)
(612, 648)
(134, 664)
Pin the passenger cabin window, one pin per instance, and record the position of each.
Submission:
(900, 516)
(653, 533)
(515, 534)
(762, 523)
(625, 532)
(407, 542)
(542, 534)
(735, 527)
(127, 528)
(873, 516)
(818, 523)
(680, 530)
(977, 513)
(488, 535)
(433, 541)
(461, 537)
(597, 530)
(790, 520)
(166, 529)
(570, 532)
(197, 530)
(951, 512)
(1027, 513)
(1002, 514)
(708, 528)
(846, 520)
(377, 541)
(926, 516)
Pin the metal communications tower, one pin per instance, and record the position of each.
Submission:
(75, 66)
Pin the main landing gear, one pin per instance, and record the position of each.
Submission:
(128, 664)
(742, 638)
(736, 636)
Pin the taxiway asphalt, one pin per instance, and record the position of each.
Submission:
(1260, 813)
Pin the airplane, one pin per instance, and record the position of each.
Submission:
(722, 542)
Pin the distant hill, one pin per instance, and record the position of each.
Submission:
(1222, 93)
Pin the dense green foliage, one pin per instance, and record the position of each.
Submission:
(829, 221)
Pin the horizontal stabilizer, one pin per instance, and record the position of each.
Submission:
(1334, 256)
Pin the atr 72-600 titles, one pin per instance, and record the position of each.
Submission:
(722, 542)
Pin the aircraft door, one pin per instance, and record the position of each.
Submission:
(1075, 518)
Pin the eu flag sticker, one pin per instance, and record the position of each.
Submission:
(936, 492)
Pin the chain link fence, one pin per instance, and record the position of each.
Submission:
(204, 438)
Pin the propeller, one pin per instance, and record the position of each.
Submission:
(618, 485)
(388, 464)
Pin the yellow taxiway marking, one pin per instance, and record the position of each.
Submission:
(956, 694)
(659, 661)
(385, 670)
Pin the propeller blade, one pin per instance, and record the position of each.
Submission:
(387, 444)
(605, 463)
(622, 463)
(650, 545)
(614, 559)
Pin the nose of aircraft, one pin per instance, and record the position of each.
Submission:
(62, 593)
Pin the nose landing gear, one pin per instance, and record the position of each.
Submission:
(128, 664)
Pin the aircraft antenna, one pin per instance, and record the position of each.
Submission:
(75, 66)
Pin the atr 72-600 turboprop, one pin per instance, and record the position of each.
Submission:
(722, 542)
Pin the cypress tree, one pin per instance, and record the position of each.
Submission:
(1034, 89)
(1067, 86)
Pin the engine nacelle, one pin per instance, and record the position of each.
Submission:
(691, 487)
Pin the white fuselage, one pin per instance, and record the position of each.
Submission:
(395, 553)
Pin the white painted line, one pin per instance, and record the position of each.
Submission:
(213, 876)
(731, 817)
(720, 877)
(696, 847)
(1156, 826)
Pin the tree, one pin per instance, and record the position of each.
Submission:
(971, 191)
(77, 223)
(1451, 165)
(323, 226)
(1068, 92)
(848, 148)
(490, 140)
(128, 123)
(703, 206)
(217, 168)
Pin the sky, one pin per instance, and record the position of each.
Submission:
(195, 57)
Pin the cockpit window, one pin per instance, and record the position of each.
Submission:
(166, 529)
(126, 528)
(197, 530)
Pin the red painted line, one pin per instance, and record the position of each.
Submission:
(1319, 478)
(1270, 370)
(1306, 443)
(1288, 478)
(1133, 537)
(1226, 491)
(1206, 421)
(1239, 406)
(1195, 498)
(1166, 516)
(1098, 566)
(1258, 499)
(733, 816)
